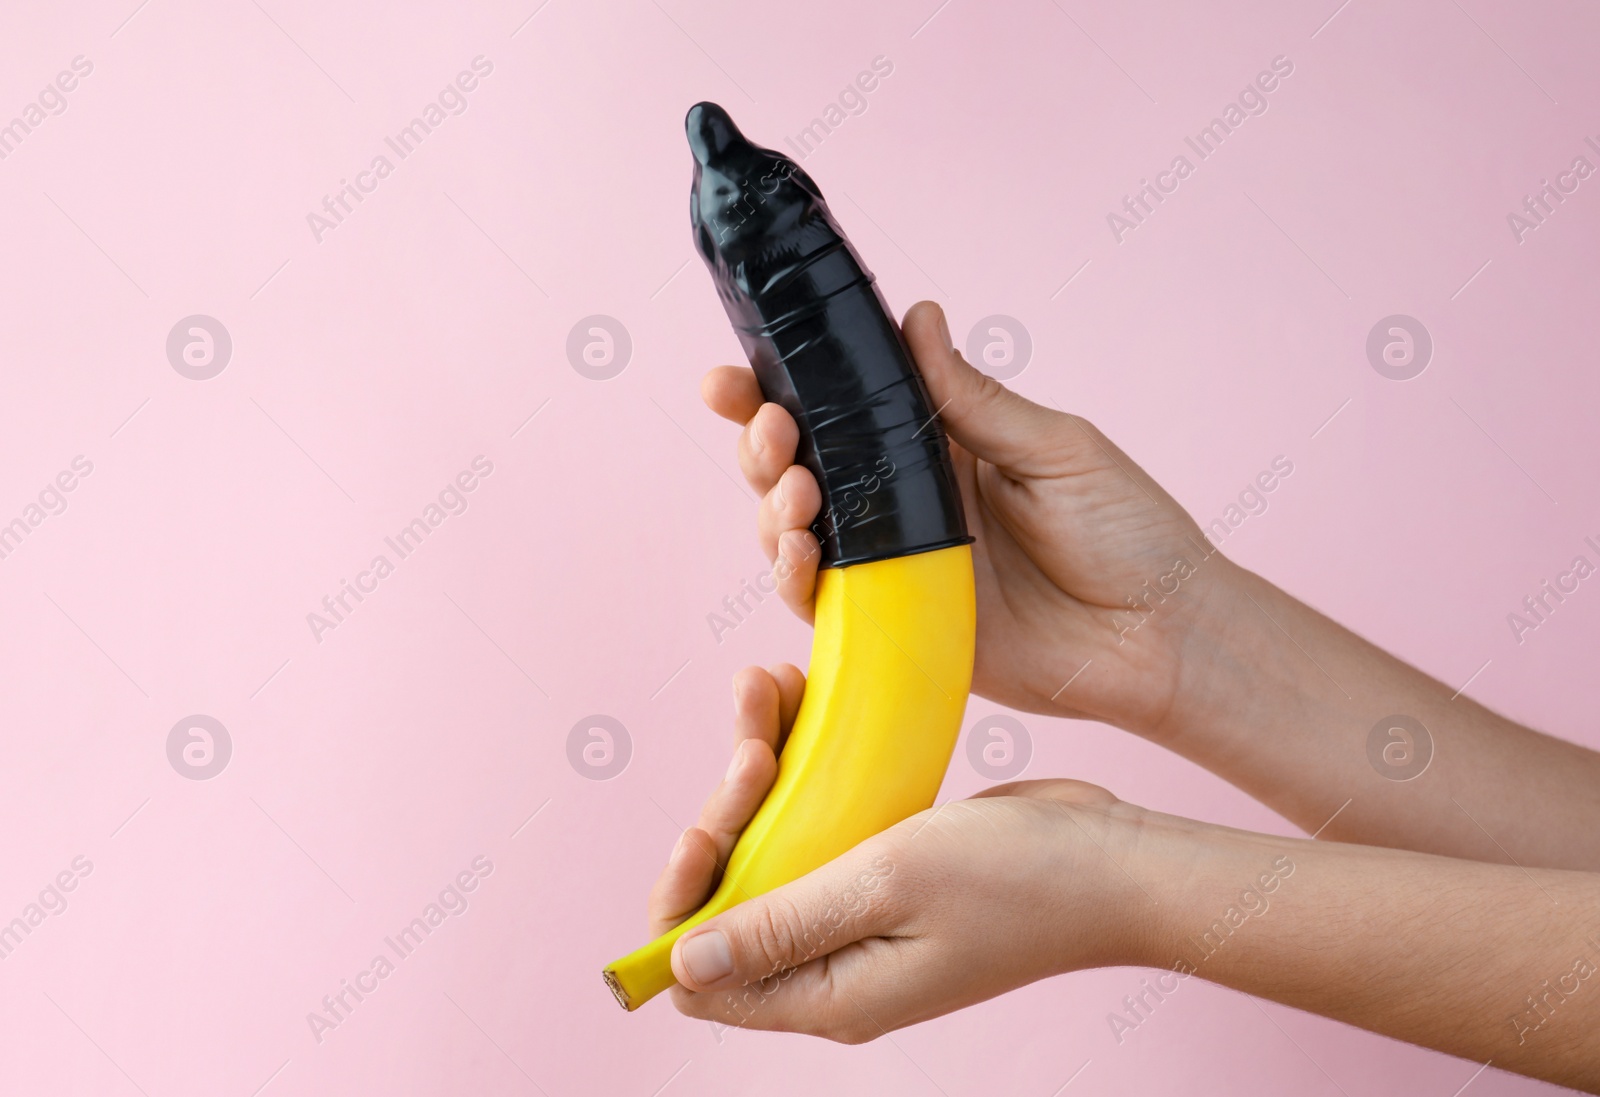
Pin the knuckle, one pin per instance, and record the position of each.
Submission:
(1095, 433)
(888, 880)
(774, 934)
(889, 862)
(986, 390)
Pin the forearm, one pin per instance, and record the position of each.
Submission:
(1295, 710)
(1487, 962)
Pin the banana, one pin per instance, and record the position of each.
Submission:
(891, 663)
(891, 658)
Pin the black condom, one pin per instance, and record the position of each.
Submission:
(823, 346)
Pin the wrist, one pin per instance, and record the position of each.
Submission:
(1164, 656)
(1207, 884)
(1122, 879)
(1211, 648)
(1233, 666)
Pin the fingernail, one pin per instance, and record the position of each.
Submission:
(944, 332)
(777, 492)
(707, 958)
(736, 764)
(757, 443)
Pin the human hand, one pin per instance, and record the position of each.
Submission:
(951, 907)
(1080, 557)
(764, 707)
(966, 901)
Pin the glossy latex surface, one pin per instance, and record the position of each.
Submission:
(823, 346)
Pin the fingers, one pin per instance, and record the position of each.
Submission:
(756, 703)
(791, 499)
(848, 995)
(731, 392)
(803, 923)
(791, 686)
(770, 439)
(683, 883)
(750, 775)
(764, 706)
(792, 504)
(795, 569)
(977, 411)
(767, 446)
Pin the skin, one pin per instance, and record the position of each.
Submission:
(1492, 852)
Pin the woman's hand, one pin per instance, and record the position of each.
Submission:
(961, 903)
(1087, 572)
(764, 704)
(1099, 597)
(951, 907)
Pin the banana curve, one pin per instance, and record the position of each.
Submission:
(891, 666)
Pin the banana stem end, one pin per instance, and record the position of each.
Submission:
(616, 989)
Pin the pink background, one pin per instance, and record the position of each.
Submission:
(371, 767)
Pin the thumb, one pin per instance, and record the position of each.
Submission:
(843, 901)
(978, 412)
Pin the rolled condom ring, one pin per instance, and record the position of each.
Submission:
(824, 347)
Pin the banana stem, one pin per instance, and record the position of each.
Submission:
(644, 972)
